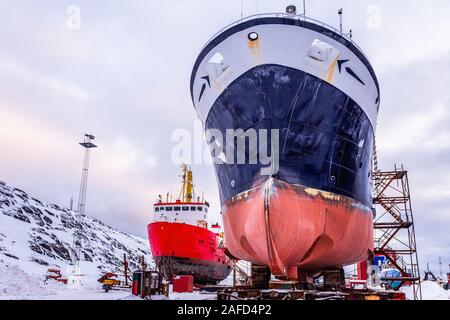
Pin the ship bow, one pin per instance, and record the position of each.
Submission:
(292, 228)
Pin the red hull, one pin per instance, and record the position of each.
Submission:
(291, 228)
(187, 249)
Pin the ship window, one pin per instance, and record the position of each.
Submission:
(177, 208)
(192, 208)
(156, 209)
(199, 208)
(185, 208)
(161, 209)
(206, 209)
(205, 216)
(169, 208)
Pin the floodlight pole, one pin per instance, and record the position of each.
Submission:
(88, 145)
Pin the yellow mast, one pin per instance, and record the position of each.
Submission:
(187, 189)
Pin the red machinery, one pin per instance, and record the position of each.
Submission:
(183, 284)
(55, 274)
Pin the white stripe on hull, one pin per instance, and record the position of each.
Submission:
(289, 46)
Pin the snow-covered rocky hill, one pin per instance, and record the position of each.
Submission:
(36, 236)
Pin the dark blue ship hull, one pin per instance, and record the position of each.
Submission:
(325, 138)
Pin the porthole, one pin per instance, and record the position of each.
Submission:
(253, 36)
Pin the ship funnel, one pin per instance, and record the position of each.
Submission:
(291, 9)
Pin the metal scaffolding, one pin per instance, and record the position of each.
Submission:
(394, 234)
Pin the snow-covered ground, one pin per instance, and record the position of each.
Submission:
(90, 294)
(430, 291)
(15, 284)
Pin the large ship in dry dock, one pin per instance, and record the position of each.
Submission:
(181, 241)
(312, 83)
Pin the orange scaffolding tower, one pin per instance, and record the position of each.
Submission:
(394, 234)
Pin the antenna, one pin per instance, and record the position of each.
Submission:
(440, 267)
(304, 8)
(88, 145)
(242, 9)
(71, 203)
(341, 24)
(340, 21)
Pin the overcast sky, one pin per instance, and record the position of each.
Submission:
(124, 76)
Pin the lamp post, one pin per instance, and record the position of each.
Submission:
(88, 145)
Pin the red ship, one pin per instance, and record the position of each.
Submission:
(180, 240)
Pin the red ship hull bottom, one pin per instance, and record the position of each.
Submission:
(204, 272)
(294, 229)
(184, 249)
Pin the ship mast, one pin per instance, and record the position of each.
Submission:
(187, 189)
